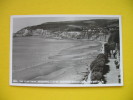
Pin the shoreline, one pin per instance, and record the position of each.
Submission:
(75, 72)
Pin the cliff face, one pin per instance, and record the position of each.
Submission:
(86, 29)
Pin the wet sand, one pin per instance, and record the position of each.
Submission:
(68, 64)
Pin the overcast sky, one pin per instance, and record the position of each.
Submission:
(21, 22)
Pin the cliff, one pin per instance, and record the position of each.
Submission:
(85, 29)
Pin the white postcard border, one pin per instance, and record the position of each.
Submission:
(65, 85)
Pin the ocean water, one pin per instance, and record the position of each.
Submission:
(32, 51)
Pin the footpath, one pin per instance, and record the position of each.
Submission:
(113, 74)
(112, 77)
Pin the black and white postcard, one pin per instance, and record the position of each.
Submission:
(66, 50)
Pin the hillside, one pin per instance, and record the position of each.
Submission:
(89, 29)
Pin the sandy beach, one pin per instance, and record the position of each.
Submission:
(66, 62)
